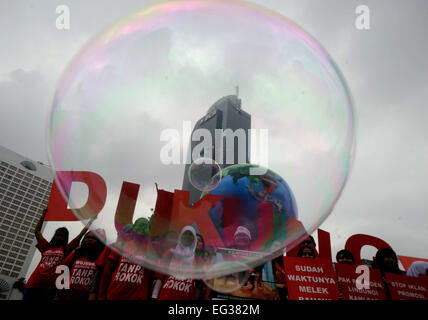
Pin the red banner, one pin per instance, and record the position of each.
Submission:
(407, 288)
(347, 277)
(309, 279)
(407, 261)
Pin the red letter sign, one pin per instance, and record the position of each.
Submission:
(357, 241)
(57, 206)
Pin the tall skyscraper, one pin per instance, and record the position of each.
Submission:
(229, 145)
(25, 187)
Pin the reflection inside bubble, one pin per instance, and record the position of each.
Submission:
(286, 138)
(204, 174)
(228, 283)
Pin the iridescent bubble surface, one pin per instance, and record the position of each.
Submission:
(126, 109)
(204, 174)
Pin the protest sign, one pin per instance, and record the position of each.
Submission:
(310, 279)
(347, 278)
(406, 288)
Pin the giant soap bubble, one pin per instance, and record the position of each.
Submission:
(183, 80)
(204, 174)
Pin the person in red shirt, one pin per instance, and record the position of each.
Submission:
(41, 284)
(122, 278)
(280, 277)
(99, 268)
(81, 263)
(345, 256)
(306, 252)
(182, 256)
(204, 255)
(176, 289)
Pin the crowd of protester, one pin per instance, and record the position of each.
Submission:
(97, 272)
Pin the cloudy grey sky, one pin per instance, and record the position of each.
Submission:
(385, 68)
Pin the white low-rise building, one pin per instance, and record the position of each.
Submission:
(25, 187)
